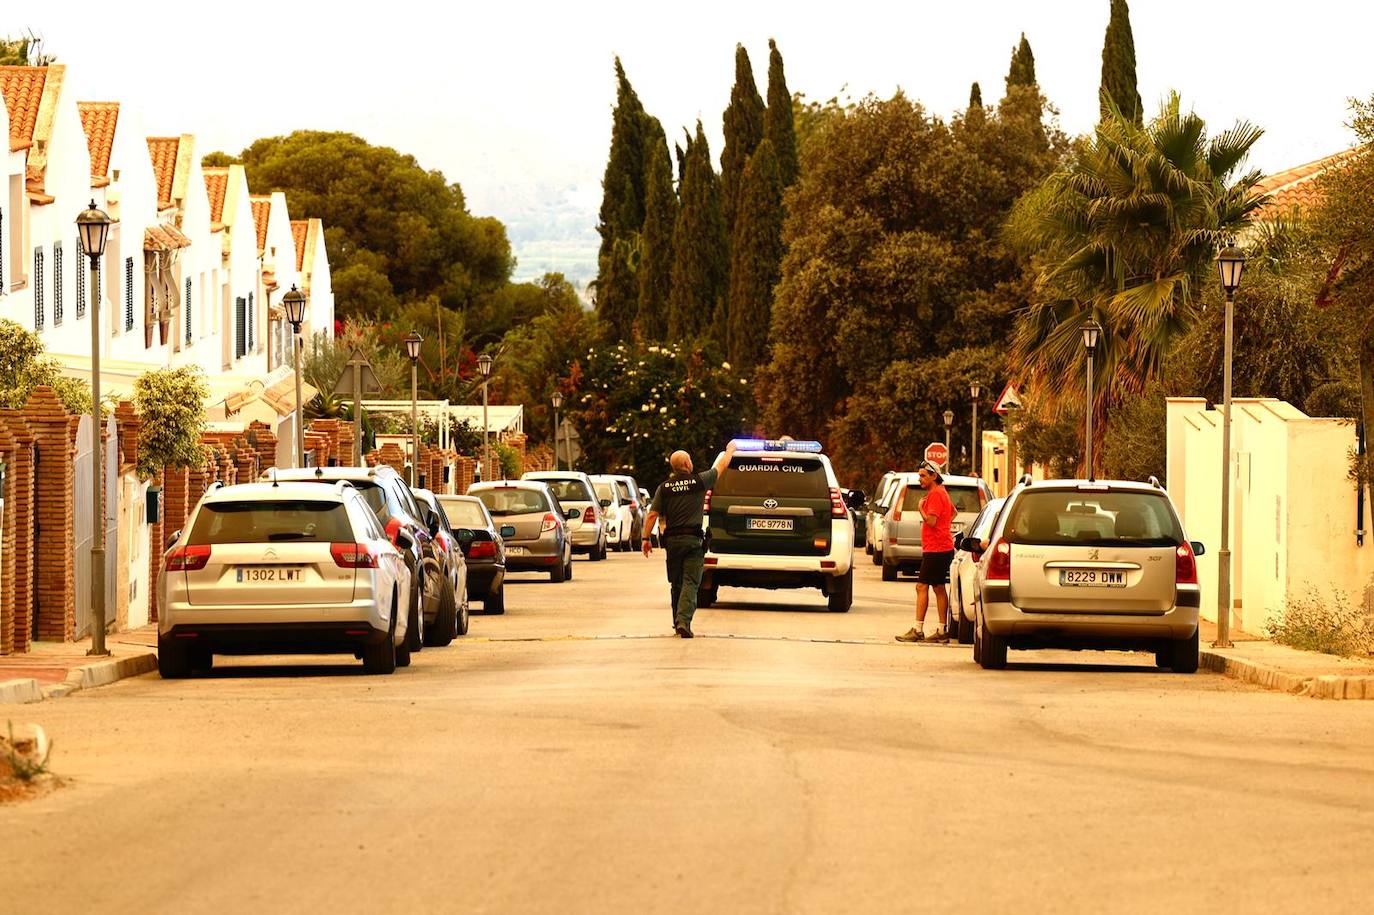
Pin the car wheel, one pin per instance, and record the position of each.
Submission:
(568, 570)
(173, 660)
(965, 629)
(381, 658)
(202, 659)
(464, 615)
(993, 653)
(1183, 654)
(877, 557)
(559, 572)
(842, 593)
(977, 640)
(706, 597)
(415, 630)
(495, 602)
(445, 619)
(889, 572)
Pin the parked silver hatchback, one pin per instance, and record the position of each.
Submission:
(902, 550)
(533, 524)
(1088, 564)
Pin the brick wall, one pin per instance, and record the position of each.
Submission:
(53, 496)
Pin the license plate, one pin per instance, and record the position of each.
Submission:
(517, 551)
(768, 524)
(1091, 578)
(253, 574)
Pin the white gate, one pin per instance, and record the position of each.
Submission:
(83, 528)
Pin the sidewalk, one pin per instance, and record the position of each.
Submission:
(1291, 670)
(54, 669)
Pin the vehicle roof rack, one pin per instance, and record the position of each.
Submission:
(1026, 479)
(1154, 481)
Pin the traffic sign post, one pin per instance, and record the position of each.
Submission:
(938, 454)
(357, 381)
(1009, 399)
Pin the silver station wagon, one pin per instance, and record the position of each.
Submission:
(1088, 564)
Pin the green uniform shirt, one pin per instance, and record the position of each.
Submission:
(678, 499)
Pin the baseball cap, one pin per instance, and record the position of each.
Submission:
(934, 471)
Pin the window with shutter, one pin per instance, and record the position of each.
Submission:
(240, 328)
(38, 307)
(128, 293)
(56, 283)
(188, 311)
(2, 252)
(81, 266)
(252, 343)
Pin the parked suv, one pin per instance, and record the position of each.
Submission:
(574, 490)
(280, 568)
(534, 525)
(449, 622)
(612, 496)
(1088, 564)
(776, 519)
(902, 524)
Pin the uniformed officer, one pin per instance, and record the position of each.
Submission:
(678, 500)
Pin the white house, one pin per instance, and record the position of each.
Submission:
(312, 263)
(231, 208)
(280, 273)
(12, 196)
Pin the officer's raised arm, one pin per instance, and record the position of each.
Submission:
(724, 457)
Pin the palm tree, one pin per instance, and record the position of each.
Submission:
(1125, 232)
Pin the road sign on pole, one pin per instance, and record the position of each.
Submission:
(1010, 399)
(356, 382)
(938, 454)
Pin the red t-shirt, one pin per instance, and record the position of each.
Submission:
(937, 537)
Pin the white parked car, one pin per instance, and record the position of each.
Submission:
(618, 509)
(902, 525)
(963, 571)
(283, 568)
(573, 489)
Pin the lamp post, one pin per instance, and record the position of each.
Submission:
(1091, 331)
(975, 391)
(949, 425)
(294, 303)
(1230, 265)
(94, 227)
(557, 405)
(484, 366)
(413, 341)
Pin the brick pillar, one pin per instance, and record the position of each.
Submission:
(174, 500)
(53, 496)
(19, 506)
(8, 447)
(155, 545)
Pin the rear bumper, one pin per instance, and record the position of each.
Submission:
(276, 638)
(755, 570)
(1031, 630)
(360, 612)
(906, 557)
(483, 580)
(586, 537)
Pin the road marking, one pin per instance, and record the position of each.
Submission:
(703, 635)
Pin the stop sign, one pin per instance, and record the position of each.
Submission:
(937, 454)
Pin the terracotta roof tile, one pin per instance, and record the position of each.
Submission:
(99, 119)
(262, 209)
(164, 153)
(165, 237)
(300, 231)
(23, 91)
(216, 186)
(1298, 188)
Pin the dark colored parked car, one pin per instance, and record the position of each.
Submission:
(484, 549)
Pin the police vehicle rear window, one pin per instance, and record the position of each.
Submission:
(965, 498)
(1068, 517)
(284, 521)
(779, 477)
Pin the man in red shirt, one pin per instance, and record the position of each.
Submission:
(937, 551)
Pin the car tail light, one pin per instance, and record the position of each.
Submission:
(353, 555)
(837, 508)
(393, 527)
(999, 562)
(189, 558)
(1185, 565)
(897, 506)
(706, 502)
(482, 549)
(634, 506)
(550, 523)
(589, 516)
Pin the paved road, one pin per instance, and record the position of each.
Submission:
(543, 765)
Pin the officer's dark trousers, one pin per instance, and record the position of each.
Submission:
(686, 556)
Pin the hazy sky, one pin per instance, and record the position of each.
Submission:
(513, 100)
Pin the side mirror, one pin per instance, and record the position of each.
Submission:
(465, 538)
(171, 541)
(572, 514)
(433, 525)
(404, 541)
(1198, 548)
(605, 503)
(856, 499)
(969, 544)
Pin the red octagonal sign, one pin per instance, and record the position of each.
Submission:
(937, 454)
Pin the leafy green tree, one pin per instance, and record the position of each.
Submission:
(24, 365)
(324, 359)
(1118, 66)
(755, 258)
(622, 210)
(743, 130)
(1126, 232)
(975, 97)
(395, 231)
(812, 119)
(171, 406)
(656, 240)
(24, 51)
(701, 252)
(779, 125)
(1022, 69)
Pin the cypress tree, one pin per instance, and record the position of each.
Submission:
(1022, 70)
(779, 126)
(656, 238)
(743, 131)
(1118, 65)
(975, 97)
(701, 254)
(755, 258)
(622, 211)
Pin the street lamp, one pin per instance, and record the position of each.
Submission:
(949, 424)
(93, 225)
(294, 303)
(1230, 265)
(413, 341)
(975, 391)
(1091, 332)
(557, 405)
(484, 366)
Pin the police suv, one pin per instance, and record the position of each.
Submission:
(776, 518)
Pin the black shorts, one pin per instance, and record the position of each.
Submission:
(935, 568)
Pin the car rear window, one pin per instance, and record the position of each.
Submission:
(464, 514)
(604, 491)
(568, 490)
(965, 498)
(625, 493)
(294, 520)
(504, 502)
(777, 477)
(1067, 517)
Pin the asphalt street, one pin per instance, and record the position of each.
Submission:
(572, 756)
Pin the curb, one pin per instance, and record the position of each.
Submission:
(16, 692)
(102, 673)
(1329, 686)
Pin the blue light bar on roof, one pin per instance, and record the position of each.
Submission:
(785, 444)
